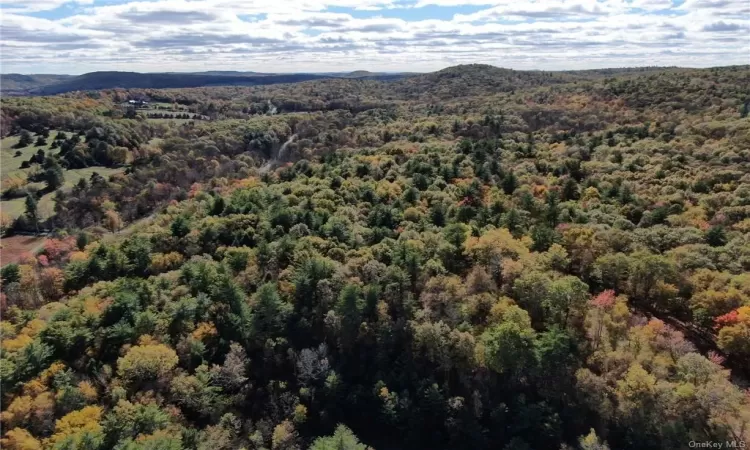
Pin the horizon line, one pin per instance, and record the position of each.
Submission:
(370, 71)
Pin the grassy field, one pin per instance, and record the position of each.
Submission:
(10, 165)
(176, 121)
(165, 111)
(15, 207)
(168, 105)
(10, 168)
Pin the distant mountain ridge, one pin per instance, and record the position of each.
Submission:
(462, 80)
(18, 84)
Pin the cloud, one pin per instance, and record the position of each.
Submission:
(720, 8)
(24, 29)
(547, 10)
(30, 6)
(167, 17)
(202, 40)
(324, 35)
(651, 5)
(721, 26)
(314, 21)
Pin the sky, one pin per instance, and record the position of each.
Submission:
(78, 36)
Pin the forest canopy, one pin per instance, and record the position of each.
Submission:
(474, 258)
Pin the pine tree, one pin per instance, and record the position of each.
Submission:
(180, 227)
(54, 176)
(716, 237)
(510, 183)
(32, 211)
(24, 140)
(553, 209)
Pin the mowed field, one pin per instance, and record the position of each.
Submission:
(168, 108)
(10, 165)
(166, 111)
(10, 170)
(176, 121)
(162, 106)
(15, 207)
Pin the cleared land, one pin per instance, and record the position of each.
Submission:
(15, 207)
(10, 164)
(178, 121)
(10, 169)
(12, 248)
(166, 111)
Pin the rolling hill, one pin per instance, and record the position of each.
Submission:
(109, 80)
(20, 84)
(17, 84)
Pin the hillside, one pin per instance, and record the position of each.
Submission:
(475, 79)
(472, 259)
(110, 80)
(461, 81)
(18, 84)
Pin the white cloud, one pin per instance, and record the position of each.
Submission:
(651, 5)
(303, 35)
(547, 10)
(28, 6)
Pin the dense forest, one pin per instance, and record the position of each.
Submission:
(476, 258)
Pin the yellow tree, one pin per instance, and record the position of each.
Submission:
(112, 221)
(144, 362)
(76, 424)
(20, 439)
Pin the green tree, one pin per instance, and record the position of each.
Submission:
(54, 176)
(455, 235)
(180, 227)
(566, 301)
(24, 139)
(9, 273)
(32, 211)
(570, 190)
(509, 346)
(543, 237)
(342, 439)
(553, 209)
(270, 313)
(137, 250)
(349, 309)
(716, 236)
(509, 183)
(218, 206)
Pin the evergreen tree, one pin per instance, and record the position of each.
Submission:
(54, 177)
(24, 140)
(180, 227)
(553, 208)
(32, 211)
(510, 183)
(716, 236)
